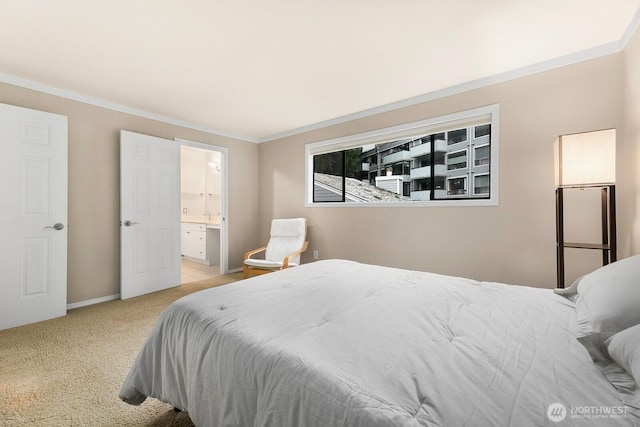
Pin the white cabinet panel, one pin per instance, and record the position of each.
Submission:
(200, 242)
(194, 241)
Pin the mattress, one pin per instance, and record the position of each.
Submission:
(339, 343)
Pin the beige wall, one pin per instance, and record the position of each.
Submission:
(513, 242)
(629, 161)
(94, 206)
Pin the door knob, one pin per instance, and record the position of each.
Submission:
(57, 226)
(128, 223)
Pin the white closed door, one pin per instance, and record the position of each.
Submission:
(33, 216)
(149, 214)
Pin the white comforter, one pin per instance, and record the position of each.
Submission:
(337, 343)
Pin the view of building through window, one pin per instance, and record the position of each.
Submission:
(454, 164)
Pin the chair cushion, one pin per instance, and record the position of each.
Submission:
(287, 236)
(288, 227)
(265, 264)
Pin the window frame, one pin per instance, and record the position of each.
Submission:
(474, 117)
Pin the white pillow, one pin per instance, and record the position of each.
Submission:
(609, 298)
(618, 375)
(624, 349)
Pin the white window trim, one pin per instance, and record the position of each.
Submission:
(410, 129)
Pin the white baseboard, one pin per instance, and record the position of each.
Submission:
(92, 301)
(115, 296)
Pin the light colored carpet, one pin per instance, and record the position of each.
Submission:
(68, 371)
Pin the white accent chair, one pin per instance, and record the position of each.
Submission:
(285, 245)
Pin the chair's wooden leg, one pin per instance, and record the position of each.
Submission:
(245, 272)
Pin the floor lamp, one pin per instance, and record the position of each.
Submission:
(586, 160)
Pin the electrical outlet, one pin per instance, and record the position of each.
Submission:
(315, 254)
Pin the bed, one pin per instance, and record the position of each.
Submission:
(340, 343)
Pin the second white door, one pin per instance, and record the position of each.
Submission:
(150, 214)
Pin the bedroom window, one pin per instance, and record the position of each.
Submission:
(448, 160)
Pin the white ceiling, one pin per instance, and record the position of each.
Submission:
(261, 68)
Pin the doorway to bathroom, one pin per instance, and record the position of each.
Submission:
(203, 210)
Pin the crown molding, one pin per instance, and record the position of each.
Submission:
(75, 96)
(630, 31)
(573, 58)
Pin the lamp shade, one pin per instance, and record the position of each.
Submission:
(586, 158)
